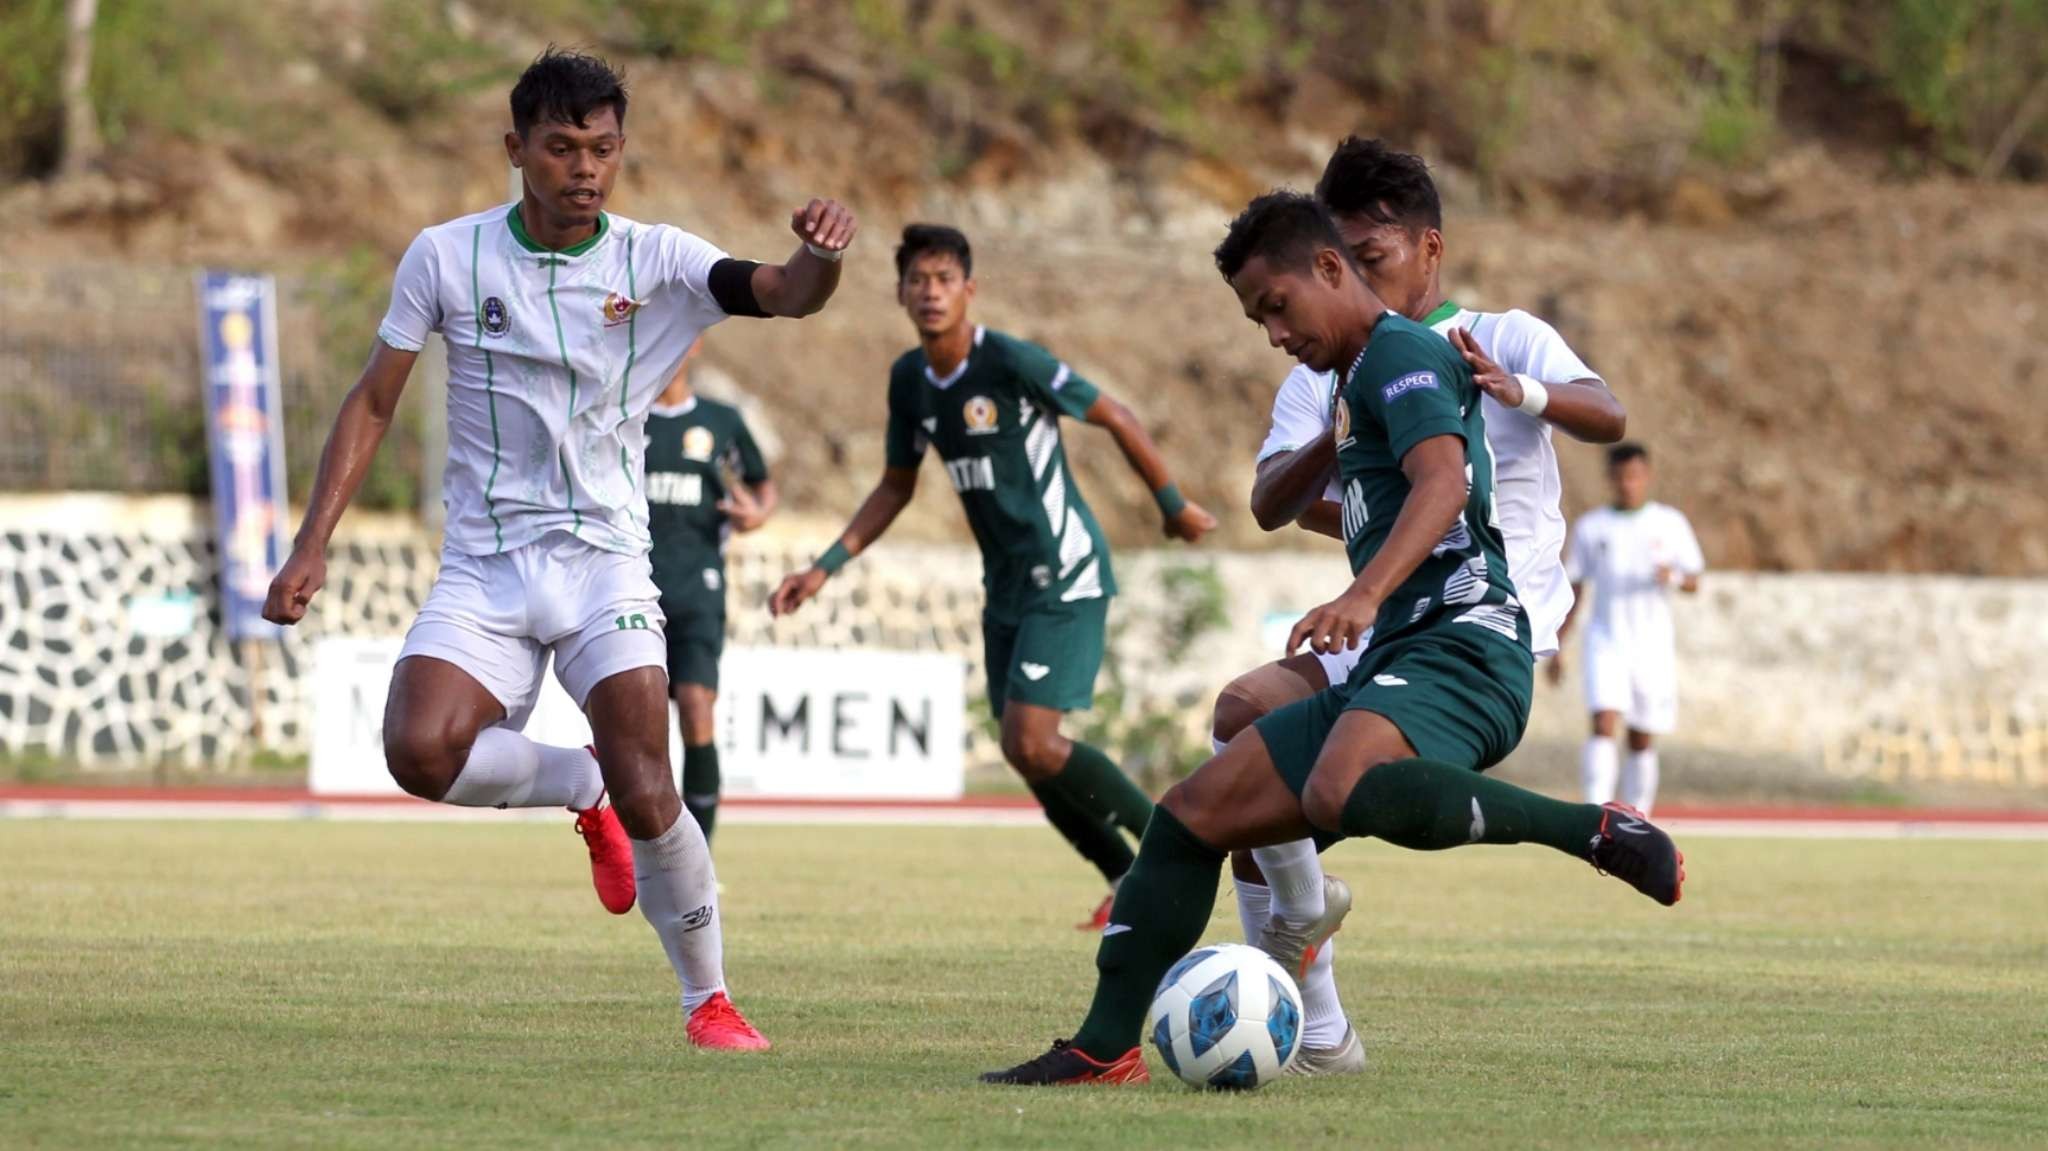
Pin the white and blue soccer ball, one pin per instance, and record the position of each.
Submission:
(1226, 1016)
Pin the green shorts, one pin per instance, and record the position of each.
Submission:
(1458, 693)
(1047, 657)
(696, 635)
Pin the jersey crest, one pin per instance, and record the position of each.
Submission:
(618, 309)
(698, 444)
(979, 413)
(1340, 418)
(496, 320)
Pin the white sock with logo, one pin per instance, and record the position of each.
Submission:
(506, 769)
(1294, 872)
(679, 896)
(1599, 764)
(1323, 1023)
(1640, 785)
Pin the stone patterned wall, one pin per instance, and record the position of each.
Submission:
(1888, 678)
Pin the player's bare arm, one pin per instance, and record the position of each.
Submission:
(894, 493)
(1290, 484)
(365, 416)
(748, 506)
(1585, 409)
(1435, 469)
(801, 285)
(1184, 520)
(1324, 518)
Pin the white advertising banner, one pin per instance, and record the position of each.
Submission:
(792, 723)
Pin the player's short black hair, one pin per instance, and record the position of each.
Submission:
(1285, 227)
(1367, 178)
(565, 86)
(1622, 453)
(920, 239)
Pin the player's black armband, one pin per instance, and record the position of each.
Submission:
(732, 285)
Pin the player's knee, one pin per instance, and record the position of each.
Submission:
(1235, 711)
(642, 793)
(423, 763)
(1035, 754)
(1323, 800)
(1606, 724)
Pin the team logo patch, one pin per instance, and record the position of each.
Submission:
(496, 321)
(1412, 382)
(1341, 417)
(698, 444)
(980, 414)
(618, 309)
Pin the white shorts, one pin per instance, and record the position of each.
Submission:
(1638, 681)
(1337, 665)
(499, 617)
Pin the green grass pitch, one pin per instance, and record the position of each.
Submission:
(396, 986)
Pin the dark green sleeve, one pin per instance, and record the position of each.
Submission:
(753, 469)
(1404, 385)
(904, 444)
(1049, 381)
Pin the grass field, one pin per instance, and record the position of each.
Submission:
(283, 985)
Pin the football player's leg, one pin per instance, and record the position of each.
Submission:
(1653, 711)
(1403, 764)
(613, 662)
(696, 638)
(1051, 671)
(1235, 800)
(1607, 696)
(465, 681)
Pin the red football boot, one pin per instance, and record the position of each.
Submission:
(719, 1026)
(1100, 919)
(611, 856)
(1067, 1066)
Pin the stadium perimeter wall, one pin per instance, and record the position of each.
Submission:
(110, 654)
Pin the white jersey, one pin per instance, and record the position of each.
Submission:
(553, 360)
(1526, 486)
(1619, 553)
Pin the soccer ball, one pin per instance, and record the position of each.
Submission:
(1226, 1016)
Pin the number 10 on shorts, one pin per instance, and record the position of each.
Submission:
(634, 622)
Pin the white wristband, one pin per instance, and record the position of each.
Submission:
(826, 254)
(1535, 397)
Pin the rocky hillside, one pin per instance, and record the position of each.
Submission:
(1821, 318)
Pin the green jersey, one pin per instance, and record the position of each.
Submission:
(694, 450)
(995, 421)
(1408, 385)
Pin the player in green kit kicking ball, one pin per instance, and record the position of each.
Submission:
(705, 481)
(1443, 692)
(991, 405)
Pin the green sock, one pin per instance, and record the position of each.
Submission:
(1427, 806)
(1162, 905)
(1092, 782)
(1098, 840)
(700, 785)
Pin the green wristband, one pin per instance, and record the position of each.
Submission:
(835, 557)
(1171, 502)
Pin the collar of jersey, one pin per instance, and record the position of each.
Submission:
(1442, 312)
(604, 225)
(960, 369)
(671, 410)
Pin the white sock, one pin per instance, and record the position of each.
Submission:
(679, 896)
(1295, 874)
(506, 769)
(1640, 787)
(1323, 1023)
(1254, 901)
(1598, 766)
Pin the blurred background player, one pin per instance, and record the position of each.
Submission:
(991, 405)
(705, 480)
(1388, 212)
(1635, 552)
(562, 323)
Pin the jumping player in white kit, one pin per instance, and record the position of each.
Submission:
(1636, 552)
(562, 325)
(1387, 210)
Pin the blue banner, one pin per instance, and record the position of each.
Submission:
(245, 439)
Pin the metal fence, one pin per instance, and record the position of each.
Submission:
(100, 387)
